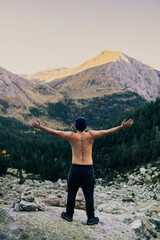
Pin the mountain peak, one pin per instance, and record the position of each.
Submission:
(110, 52)
(103, 58)
(110, 56)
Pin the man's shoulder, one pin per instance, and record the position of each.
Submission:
(90, 132)
(93, 133)
(70, 133)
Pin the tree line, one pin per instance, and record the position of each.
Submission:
(23, 147)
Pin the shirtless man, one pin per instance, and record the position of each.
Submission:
(81, 172)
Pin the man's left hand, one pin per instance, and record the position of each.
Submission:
(36, 124)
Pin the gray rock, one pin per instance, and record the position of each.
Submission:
(28, 196)
(28, 206)
(136, 225)
(14, 202)
(42, 207)
(59, 182)
(142, 170)
(37, 183)
(62, 184)
(109, 208)
(28, 181)
(16, 207)
(48, 182)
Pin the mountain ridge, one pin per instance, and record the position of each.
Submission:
(118, 76)
(107, 73)
(18, 94)
(104, 57)
(51, 74)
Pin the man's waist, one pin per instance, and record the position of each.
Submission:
(82, 161)
(82, 166)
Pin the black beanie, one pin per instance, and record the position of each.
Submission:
(81, 124)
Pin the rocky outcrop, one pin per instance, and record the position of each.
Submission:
(27, 202)
(128, 208)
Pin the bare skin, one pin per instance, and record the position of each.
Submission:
(82, 142)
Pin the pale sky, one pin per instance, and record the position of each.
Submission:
(46, 34)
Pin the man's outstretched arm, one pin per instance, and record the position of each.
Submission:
(61, 134)
(103, 133)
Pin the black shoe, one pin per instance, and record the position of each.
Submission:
(66, 217)
(92, 221)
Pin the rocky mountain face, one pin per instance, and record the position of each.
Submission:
(18, 94)
(107, 73)
(127, 205)
(49, 75)
(101, 76)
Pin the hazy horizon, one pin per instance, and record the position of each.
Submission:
(39, 35)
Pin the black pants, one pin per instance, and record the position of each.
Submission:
(81, 176)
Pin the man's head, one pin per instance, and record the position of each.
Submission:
(81, 124)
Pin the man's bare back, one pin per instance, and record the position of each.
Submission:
(81, 144)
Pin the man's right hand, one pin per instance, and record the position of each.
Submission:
(127, 124)
(36, 124)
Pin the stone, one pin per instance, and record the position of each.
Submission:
(80, 195)
(37, 183)
(148, 177)
(40, 194)
(79, 205)
(28, 196)
(59, 182)
(153, 168)
(51, 202)
(109, 208)
(14, 202)
(42, 207)
(28, 206)
(109, 193)
(48, 182)
(99, 181)
(28, 189)
(142, 170)
(28, 181)
(136, 225)
(64, 185)
(16, 207)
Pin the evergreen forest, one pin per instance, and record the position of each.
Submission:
(24, 147)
